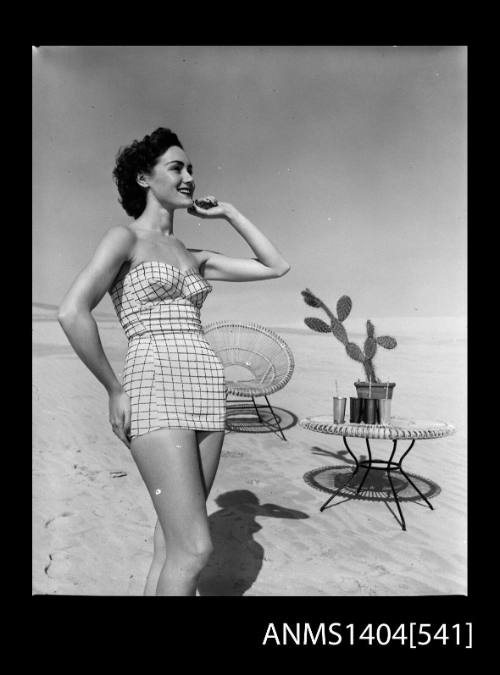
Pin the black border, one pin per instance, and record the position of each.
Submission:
(121, 625)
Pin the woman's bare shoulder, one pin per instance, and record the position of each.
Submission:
(116, 246)
(119, 238)
(119, 233)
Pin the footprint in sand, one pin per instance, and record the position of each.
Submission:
(59, 565)
(65, 514)
(87, 473)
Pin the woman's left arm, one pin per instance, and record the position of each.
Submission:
(268, 264)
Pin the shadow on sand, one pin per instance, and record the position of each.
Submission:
(237, 558)
(244, 419)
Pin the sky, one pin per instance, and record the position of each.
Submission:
(351, 159)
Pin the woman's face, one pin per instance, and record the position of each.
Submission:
(171, 180)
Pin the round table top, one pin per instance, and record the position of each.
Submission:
(398, 428)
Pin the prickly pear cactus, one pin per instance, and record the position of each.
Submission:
(344, 306)
(317, 324)
(339, 331)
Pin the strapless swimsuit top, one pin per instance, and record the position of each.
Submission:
(156, 297)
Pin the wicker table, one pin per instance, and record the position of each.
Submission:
(399, 429)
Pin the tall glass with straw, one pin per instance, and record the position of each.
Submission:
(385, 407)
(338, 406)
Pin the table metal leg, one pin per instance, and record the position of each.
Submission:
(397, 466)
(403, 522)
(388, 469)
(410, 480)
(322, 508)
(351, 453)
(368, 467)
(387, 466)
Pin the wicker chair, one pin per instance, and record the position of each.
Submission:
(257, 362)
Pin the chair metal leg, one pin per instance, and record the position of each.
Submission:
(275, 418)
(256, 407)
(257, 410)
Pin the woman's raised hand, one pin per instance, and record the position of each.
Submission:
(119, 415)
(207, 207)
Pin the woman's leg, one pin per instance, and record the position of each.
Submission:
(210, 446)
(169, 464)
(159, 556)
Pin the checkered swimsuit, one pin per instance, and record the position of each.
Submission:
(172, 375)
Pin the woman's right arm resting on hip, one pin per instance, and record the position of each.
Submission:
(88, 289)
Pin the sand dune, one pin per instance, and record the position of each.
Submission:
(93, 520)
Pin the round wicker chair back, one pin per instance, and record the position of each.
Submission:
(262, 359)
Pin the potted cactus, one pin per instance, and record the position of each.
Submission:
(372, 386)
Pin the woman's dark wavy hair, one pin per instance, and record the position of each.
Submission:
(140, 157)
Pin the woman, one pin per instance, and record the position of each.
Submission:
(170, 408)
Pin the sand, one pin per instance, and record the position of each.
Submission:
(93, 518)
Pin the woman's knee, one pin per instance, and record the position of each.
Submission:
(195, 552)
